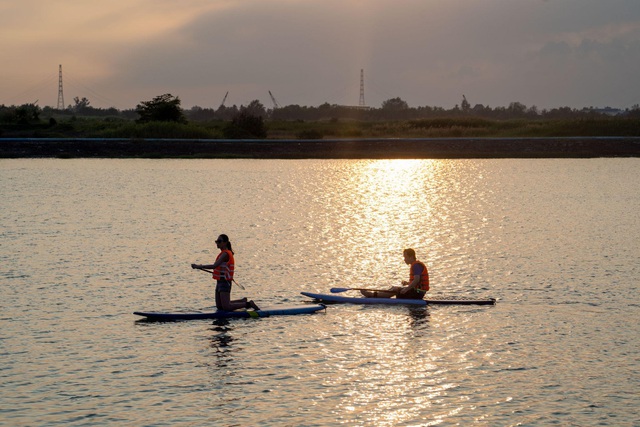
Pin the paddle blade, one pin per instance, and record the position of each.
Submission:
(338, 290)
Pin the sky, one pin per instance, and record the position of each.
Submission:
(118, 53)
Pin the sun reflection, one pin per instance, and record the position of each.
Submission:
(388, 373)
(386, 206)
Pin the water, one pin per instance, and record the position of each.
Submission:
(84, 243)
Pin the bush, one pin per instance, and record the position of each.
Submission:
(245, 126)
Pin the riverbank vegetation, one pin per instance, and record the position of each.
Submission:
(163, 117)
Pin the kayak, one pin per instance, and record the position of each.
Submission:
(283, 310)
(389, 301)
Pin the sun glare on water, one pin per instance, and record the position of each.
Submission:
(384, 205)
(391, 192)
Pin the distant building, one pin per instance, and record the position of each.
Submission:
(609, 111)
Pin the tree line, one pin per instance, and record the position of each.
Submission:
(163, 117)
(168, 108)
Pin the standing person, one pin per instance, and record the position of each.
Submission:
(223, 269)
(415, 288)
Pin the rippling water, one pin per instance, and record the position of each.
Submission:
(84, 243)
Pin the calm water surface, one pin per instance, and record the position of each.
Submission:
(84, 243)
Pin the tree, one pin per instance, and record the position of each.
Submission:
(395, 104)
(255, 108)
(163, 108)
(517, 109)
(245, 126)
(226, 113)
(27, 113)
(394, 108)
(200, 114)
(80, 105)
(634, 112)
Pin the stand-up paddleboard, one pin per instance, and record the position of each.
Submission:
(238, 314)
(391, 301)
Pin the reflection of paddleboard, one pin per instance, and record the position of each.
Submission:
(283, 310)
(433, 300)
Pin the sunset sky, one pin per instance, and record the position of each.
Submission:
(547, 53)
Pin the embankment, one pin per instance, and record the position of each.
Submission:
(430, 148)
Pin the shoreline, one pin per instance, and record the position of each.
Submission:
(379, 148)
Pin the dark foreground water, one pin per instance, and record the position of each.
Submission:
(84, 243)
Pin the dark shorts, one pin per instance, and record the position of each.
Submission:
(223, 286)
(412, 294)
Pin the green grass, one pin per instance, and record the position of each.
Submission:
(443, 127)
(158, 130)
(462, 127)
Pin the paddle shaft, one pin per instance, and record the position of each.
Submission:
(339, 290)
(233, 280)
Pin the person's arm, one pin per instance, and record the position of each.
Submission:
(415, 282)
(417, 277)
(410, 285)
(223, 258)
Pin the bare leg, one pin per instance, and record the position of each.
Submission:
(218, 301)
(223, 302)
(381, 294)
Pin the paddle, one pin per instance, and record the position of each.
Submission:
(339, 290)
(211, 272)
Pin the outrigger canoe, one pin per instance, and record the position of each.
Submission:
(238, 314)
(387, 301)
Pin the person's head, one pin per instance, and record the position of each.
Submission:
(409, 255)
(222, 242)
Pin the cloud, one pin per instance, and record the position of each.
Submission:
(428, 52)
(253, 46)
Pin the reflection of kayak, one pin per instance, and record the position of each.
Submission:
(432, 300)
(283, 310)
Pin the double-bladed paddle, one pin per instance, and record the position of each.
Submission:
(339, 290)
(211, 272)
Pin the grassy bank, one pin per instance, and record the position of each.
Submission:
(382, 148)
(469, 127)
(455, 127)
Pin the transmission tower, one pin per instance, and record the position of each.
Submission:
(60, 94)
(362, 88)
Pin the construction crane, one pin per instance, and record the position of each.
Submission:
(224, 99)
(273, 99)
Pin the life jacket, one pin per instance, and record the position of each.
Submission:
(424, 278)
(225, 270)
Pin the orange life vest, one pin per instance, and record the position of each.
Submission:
(225, 270)
(424, 278)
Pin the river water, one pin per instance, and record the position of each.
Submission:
(84, 243)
